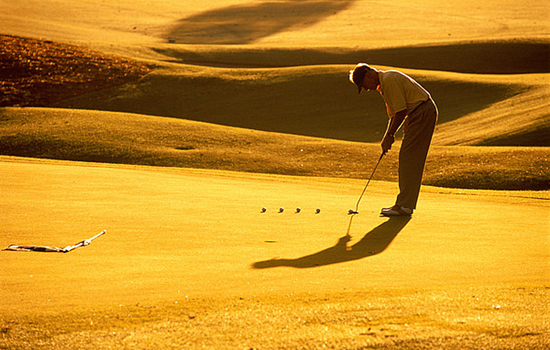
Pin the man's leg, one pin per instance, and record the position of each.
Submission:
(413, 153)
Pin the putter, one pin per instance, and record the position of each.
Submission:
(356, 211)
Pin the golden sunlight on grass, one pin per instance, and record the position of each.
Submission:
(176, 267)
(172, 124)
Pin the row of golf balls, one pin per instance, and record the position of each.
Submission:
(317, 211)
(281, 209)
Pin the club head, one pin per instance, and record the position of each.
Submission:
(352, 212)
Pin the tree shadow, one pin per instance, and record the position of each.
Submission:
(244, 24)
(373, 243)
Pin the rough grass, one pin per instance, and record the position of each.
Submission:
(137, 139)
(39, 73)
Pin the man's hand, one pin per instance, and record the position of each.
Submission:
(395, 123)
(387, 141)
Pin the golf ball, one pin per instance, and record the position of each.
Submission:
(317, 211)
(264, 209)
(281, 209)
(298, 209)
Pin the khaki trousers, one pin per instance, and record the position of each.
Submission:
(417, 135)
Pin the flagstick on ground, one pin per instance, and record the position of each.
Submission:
(46, 249)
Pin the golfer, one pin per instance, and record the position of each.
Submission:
(407, 103)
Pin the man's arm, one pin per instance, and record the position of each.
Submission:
(393, 126)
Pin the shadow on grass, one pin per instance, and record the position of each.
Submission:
(373, 243)
(247, 23)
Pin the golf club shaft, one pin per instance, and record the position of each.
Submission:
(370, 178)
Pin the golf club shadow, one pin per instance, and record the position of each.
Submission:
(373, 243)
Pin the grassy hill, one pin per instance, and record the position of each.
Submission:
(309, 100)
(474, 110)
(149, 140)
(514, 56)
(319, 101)
(285, 71)
(129, 24)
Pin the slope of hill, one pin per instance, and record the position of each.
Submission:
(521, 120)
(319, 101)
(137, 139)
(132, 23)
(281, 99)
(514, 56)
(313, 97)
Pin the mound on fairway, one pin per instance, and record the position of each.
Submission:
(319, 101)
(148, 140)
(123, 26)
(508, 110)
(515, 57)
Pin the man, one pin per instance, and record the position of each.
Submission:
(407, 103)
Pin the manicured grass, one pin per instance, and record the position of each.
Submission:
(179, 264)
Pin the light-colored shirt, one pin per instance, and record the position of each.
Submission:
(400, 92)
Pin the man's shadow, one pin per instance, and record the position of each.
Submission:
(373, 243)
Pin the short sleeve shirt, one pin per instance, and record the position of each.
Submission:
(401, 92)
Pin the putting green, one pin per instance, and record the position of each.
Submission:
(174, 234)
